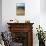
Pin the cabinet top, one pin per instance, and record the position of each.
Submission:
(19, 23)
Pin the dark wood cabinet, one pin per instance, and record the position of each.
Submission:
(22, 33)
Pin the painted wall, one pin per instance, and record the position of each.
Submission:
(0, 15)
(43, 14)
(33, 12)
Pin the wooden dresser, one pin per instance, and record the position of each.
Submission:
(22, 33)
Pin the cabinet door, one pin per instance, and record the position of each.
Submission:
(20, 37)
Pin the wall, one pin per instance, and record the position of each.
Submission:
(43, 14)
(43, 6)
(0, 15)
(33, 12)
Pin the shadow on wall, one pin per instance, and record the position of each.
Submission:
(0, 14)
(43, 6)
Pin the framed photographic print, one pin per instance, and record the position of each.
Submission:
(20, 9)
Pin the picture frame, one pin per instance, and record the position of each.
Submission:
(20, 9)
